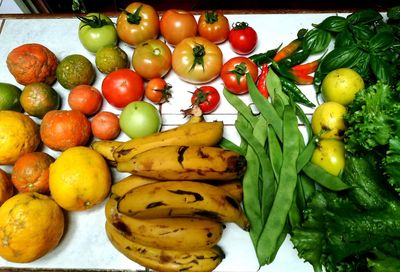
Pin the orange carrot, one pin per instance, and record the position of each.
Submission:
(289, 49)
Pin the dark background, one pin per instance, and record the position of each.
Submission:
(65, 6)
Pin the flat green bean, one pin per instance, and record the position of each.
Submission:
(323, 178)
(240, 106)
(275, 152)
(229, 145)
(268, 241)
(306, 154)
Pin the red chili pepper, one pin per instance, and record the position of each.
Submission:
(288, 50)
(301, 78)
(261, 82)
(306, 68)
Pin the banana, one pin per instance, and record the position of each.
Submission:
(178, 162)
(234, 188)
(106, 148)
(166, 260)
(190, 133)
(182, 199)
(126, 184)
(166, 233)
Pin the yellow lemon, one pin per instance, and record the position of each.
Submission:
(19, 135)
(328, 121)
(330, 155)
(31, 225)
(79, 179)
(341, 86)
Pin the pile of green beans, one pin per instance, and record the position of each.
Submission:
(280, 177)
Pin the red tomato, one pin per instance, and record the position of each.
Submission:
(207, 98)
(176, 25)
(158, 90)
(86, 99)
(214, 26)
(122, 87)
(233, 74)
(105, 125)
(242, 38)
(137, 23)
(152, 59)
(197, 60)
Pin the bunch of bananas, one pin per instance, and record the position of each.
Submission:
(169, 214)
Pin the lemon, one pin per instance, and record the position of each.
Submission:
(9, 97)
(341, 86)
(19, 135)
(111, 58)
(75, 70)
(79, 179)
(328, 121)
(31, 225)
(330, 155)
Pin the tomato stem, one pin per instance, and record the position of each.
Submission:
(211, 17)
(93, 21)
(239, 71)
(134, 18)
(198, 53)
(240, 25)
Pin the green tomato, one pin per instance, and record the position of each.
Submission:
(96, 31)
(139, 119)
(330, 155)
(341, 86)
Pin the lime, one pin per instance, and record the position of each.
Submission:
(111, 58)
(75, 70)
(39, 98)
(9, 97)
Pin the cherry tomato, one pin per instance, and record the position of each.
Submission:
(242, 38)
(86, 99)
(176, 25)
(158, 90)
(122, 87)
(214, 26)
(207, 98)
(96, 31)
(137, 23)
(105, 125)
(197, 60)
(233, 74)
(152, 59)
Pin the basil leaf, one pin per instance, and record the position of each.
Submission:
(394, 13)
(361, 33)
(339, 57)
(317, 40)
(381, 69)
(381, 41)
(333, 24)
(364, 16)
(344, 38)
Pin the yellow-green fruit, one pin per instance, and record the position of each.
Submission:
(330, 155)
(341, 86)
(75, 70)
(328, 121)
(111, 58)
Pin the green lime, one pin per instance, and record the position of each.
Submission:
(9, 97)
(111, 58)
(39, 98)
(75, 70)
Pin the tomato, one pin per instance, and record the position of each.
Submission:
(152, 59)
(105, 125)
(197, 60)
(158, 90)
(207, 98)
(176, 25)
(86, 99)
(96, 31)
(122, 87)
(214, 26)
(242, 38)
(138, 23)
(233, 74)
(139, 119)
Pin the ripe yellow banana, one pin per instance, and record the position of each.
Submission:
(106, 148)
(233, 187)
(182, 199)
(126, 184)
(178, 162)
(163, 260)
(166, 233)
(190, 133)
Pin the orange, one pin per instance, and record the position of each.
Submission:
(31, 225)
(105, 125)
(86, 99)
(31, 172)
(75, 70)
(9, 97)
(39, 98)
(6, 188)
(79, 179)
(19, 134)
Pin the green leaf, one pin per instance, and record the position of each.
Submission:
(344, 38)
(333, 24)
(317, 40)
(381, 41)
(361, 33)
(394, 13)
(364, 16)
(338, 58)
(381, 69)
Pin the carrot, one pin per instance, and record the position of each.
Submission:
(287, 50)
